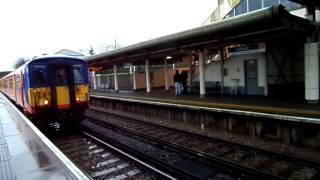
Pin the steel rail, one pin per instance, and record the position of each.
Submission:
(315, 164)
(149, 166)
(136, 155)
(225, 163)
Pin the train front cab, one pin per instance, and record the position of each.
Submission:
(58, 89)
(70, 86)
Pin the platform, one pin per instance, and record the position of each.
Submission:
(243, 105)
(25, 153)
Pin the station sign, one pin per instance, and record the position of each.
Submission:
(95, 68)
(242, 49)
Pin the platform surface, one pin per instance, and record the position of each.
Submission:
(248, 105)
(23, 155)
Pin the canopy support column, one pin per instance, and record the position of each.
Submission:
(115, 75)
(148, 77)
(201, 74)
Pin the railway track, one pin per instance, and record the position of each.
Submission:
(178, 163)
(189, 164)
(251, 160)
(101, 160)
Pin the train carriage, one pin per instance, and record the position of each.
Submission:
(50, 87)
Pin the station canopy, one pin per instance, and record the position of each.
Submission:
(314, 3)
(262, 25)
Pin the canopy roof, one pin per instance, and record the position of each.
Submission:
(315, 3)
(259, 25)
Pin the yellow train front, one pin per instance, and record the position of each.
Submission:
(56, 88)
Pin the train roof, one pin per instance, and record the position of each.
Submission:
(54, 56)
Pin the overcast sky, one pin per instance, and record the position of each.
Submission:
(34, 27)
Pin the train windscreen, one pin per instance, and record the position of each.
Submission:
(38, 72)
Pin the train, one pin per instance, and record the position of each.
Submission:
(50, 88)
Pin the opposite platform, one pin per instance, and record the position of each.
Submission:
(257, 106)
(25, 153)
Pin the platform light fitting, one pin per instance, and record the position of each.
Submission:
(169, 57)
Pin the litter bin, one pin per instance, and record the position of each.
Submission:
(234, 86)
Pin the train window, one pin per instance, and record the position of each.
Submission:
(18, 82)
(77, 74)
(39, 78)
(10, 83)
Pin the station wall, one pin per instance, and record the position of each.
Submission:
(285, 63)
(279, 73)
(234, 73)
(156, 78)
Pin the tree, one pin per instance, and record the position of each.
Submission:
(19, 62)
(91, 51)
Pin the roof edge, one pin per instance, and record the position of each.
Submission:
(275, 15)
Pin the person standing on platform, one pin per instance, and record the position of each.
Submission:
(184, 79)
(177, 83)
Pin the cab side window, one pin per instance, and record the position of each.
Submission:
(77, 74)
(38, 75)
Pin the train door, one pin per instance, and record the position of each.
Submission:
(251, 75)
(61, 87)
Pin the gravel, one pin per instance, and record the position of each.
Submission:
(305, 153)
(255, 161)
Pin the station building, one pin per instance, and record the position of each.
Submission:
(265, 47)
(227, 8)
(277, 65)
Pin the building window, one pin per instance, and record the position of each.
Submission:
(241, 8)
(268, 3)
(254, 5)
(290, 5)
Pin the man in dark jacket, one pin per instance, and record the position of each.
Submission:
(184, 79)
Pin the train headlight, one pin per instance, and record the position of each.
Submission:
(43, 102)
(80, 98)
